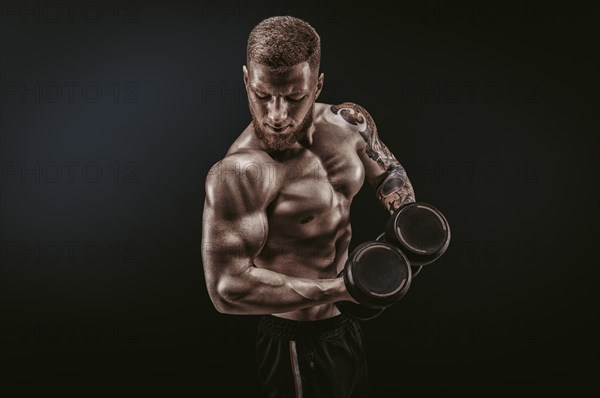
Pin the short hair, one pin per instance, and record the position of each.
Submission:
(284, 41)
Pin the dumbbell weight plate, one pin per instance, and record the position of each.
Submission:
(420, 230)
(414, 270)
(377, 274)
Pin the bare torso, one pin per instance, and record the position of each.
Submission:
(309, 219)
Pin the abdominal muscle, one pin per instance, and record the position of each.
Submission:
(310, 256)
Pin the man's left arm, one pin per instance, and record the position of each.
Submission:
(382, 169)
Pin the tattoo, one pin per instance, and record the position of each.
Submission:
(375, 149)
(395, 189)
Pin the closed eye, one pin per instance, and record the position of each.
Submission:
(261, 95)
(295, 99)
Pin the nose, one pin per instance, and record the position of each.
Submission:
(277, 112)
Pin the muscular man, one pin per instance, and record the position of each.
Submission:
(276, 224)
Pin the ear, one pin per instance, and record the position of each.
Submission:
(320, 81)
(245, 72)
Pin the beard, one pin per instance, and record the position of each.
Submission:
(279, 142)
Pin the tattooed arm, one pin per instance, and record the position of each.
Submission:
(382, 169)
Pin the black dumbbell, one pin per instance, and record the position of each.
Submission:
(420, 231)
(376, 274)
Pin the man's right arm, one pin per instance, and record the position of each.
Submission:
(234, 230)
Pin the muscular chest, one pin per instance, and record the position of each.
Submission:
(317, 185)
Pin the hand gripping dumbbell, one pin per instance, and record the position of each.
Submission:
(378, 273)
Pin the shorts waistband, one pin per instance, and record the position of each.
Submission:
(304, 330)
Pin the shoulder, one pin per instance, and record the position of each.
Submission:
(351, 113)
(247, 142)
(242, 179)
(350, 117)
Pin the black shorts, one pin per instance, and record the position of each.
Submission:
(307, 359)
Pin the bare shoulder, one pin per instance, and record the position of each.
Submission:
(242, 181)
(350, 118)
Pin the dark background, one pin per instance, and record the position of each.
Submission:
(113, 112)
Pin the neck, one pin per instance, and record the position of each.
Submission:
(307, 141)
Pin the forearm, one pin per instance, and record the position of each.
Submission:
(395, 189)
(262, 291)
